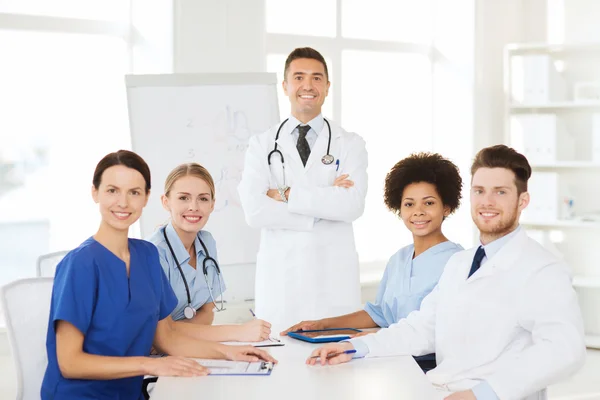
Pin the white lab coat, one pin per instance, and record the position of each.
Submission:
(515, 323)
(307, 265)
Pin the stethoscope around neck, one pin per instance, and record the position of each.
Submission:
(326, 159)
(189, 311)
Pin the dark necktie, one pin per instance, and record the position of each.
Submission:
(302, 145)
(479, 254)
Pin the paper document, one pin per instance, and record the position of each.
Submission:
(225, 367)
(270, 342)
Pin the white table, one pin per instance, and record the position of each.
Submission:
(373, 379)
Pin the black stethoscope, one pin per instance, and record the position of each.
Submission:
(189, 312)
(326, 159)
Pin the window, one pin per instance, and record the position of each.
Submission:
(309, 17)
(404, 81)
(396, 20)
(108, 10)
(64, 107)
(402, 77)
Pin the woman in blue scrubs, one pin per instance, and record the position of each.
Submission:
(111, 302)
(422, 189)
(189, 198)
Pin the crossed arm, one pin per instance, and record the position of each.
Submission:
(264, 207)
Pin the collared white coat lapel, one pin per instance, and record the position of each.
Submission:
(288, 146)
(505, 257)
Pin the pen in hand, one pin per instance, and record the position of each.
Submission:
(331, 355)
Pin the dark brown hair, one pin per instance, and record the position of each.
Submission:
(122, 157)
(305, 52)
(423, 167)
(501, 156)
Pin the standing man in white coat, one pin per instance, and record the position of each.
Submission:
(304, 183)
(504, 319)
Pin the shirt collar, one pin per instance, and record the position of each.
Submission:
(494, 247)
(316, 124)
(178, 248)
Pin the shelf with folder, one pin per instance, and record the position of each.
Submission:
(552, 116)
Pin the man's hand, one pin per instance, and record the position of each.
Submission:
(274, 194)
(464, 395)
(343, 181)
(332, 354)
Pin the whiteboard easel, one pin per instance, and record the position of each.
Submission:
(208, 119)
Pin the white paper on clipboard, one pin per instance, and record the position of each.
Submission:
(226, 367)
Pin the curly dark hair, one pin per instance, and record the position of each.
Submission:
(423, 167)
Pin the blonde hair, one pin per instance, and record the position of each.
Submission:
(190, 169)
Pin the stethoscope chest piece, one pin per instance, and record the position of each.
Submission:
(189, 312)
(327, 159)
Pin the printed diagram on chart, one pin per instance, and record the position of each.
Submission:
(229, 129)
(226, 187)
(222, 143)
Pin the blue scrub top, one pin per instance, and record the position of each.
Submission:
(117, 314)
(406, 282)
(195, 277)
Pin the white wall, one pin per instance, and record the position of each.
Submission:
(153, 29)
(222, 36)
(581, 21)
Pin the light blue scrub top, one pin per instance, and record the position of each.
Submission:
(406, 282)
(117, 314)
(195, 277)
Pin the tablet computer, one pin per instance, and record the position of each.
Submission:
(324, 335)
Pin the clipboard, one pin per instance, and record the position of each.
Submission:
(324, 335)
(236, 368)
(270, 342)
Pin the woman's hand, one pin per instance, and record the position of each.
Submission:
(173, 366)
(254, 331)
(246, 353)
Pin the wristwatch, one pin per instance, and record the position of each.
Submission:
(282, 191)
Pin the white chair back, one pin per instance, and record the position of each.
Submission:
(46, 263)
(26, 305)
